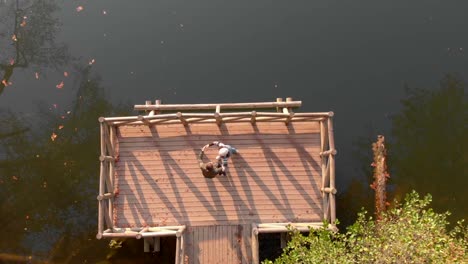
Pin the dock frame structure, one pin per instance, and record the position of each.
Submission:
(186, 114)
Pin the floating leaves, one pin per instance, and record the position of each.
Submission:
(60, 127)
(53, 136)
(6, 83)
(60, 85)
(92, 61)
(79, 8)
(23, 23)
(15, 178)
(14, 38)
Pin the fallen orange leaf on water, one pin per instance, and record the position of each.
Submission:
(14, 178)
(92, 61)
(14, 38)
(53, 136)
(5, 82)
(23, 23)
(60, 127)
(79, 9)
(60, 85)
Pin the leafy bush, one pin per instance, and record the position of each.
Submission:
(408, 233)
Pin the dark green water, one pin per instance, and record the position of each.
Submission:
(63, 68)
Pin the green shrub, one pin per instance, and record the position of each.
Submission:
(408, 233)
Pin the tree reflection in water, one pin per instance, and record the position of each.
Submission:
(48, 183)
(28, 31)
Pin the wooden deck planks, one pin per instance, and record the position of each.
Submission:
(275, 178)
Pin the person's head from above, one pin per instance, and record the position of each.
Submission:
(209, 166)
(222, 153)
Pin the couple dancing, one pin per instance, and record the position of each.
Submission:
(211, 169)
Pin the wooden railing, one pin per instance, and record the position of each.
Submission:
(328, 152)
(153, 116)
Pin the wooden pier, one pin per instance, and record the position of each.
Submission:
(151, 184)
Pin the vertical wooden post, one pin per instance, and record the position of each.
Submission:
(279, 100)
(101, 179)
(253, 118)
(146, 244)
(157, 244)
(323, 145)
(112, 135)
(255, 255)
(289, 99)
(284, 239)
(182, 250)
(151, 113)
(157, 102)
(331, 158)
(177, 255)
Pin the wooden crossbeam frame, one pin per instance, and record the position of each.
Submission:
(327, 153)
(229, 106)
(219, 118)
(153, 116)
(106, 185)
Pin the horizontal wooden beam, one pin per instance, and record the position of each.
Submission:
(224, 106)
(144, 232)
(286, 227)
(106, 158)
(215, 117)
(329, 190)
(105, 196)
(328, 152)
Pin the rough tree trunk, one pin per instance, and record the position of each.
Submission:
(380, 175)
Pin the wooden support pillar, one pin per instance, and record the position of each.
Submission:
(105, 212)
(182, 119)
(157, 244)
(323, 146)
(279, 100)
(101, 181)
(284, 239)
(146, 244)
(150, 113)
(289, 118)
(181, 249)
(331, 158)
(156, 102)
(255, 255)
(253, 118)
(219, 119)
(177, 255)
(289, 100)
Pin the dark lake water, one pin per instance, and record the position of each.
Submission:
(65, 63)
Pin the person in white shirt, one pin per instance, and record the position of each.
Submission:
(224, 152)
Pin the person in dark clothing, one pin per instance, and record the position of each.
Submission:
(209, 169)
(224, 152)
